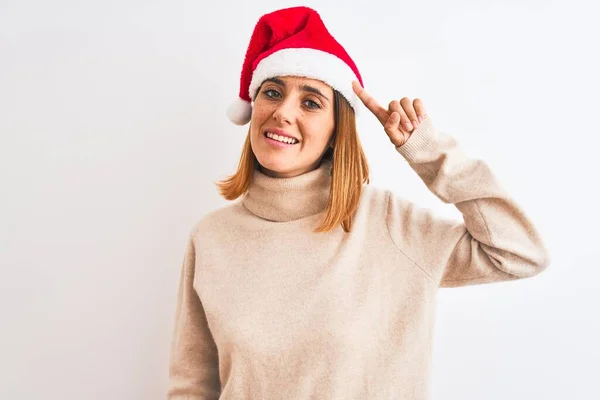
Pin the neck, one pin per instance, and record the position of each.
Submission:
(289, 199)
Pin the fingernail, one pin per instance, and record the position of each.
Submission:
(420, 118)
(415, 124)
(408, 125)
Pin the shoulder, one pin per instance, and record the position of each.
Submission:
(388, 203)
(215, 220)
(374, 205)
(375, 198)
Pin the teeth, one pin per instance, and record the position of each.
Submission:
(281, 138)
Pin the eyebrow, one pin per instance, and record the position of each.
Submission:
(306, 88)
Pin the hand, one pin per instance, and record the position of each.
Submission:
(396, 120)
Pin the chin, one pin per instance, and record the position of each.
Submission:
(275, 165)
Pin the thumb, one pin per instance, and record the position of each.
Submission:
(392, 129)
(391, 124)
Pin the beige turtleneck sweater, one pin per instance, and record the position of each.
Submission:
(268, 309)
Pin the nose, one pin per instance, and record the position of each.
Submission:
(285, 113)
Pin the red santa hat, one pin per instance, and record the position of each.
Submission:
(293, 41)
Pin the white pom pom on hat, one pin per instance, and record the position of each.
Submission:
(293, 42)
(239, 112)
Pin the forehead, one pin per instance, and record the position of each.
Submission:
(302, 81)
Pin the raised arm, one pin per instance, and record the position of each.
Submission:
(496, 241)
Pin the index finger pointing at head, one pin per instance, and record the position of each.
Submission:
(370, 102)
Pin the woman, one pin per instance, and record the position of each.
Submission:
(315, 284)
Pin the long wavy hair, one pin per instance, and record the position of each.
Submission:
(350, 170)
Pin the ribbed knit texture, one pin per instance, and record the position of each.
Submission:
(268, 309)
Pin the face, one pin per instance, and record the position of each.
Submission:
(292, 125)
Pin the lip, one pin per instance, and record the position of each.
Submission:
(281, 132)
(276, 143)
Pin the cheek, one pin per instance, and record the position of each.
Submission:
(260, 114)
(261, 111)
(317, 137)
(320, 131)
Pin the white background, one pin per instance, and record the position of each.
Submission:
(113, 130)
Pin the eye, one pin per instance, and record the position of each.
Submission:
(272, 93)
(312, 104)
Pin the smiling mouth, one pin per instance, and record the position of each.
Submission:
(281, 139)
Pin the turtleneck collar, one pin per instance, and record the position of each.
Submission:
(289, 199)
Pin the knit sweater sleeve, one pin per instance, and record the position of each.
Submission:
(193, 366)
(495, 241)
